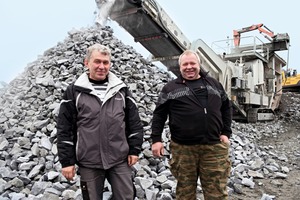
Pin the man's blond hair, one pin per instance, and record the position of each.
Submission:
(188, 52)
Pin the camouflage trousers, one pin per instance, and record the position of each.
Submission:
(210, 163)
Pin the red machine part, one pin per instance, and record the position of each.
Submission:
(260, 27)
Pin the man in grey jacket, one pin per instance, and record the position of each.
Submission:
(99, 129)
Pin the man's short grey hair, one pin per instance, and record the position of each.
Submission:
(104, 50)
(186, 52)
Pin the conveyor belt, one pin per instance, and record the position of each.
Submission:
(149, 32)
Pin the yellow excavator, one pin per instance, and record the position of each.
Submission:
(290, 80)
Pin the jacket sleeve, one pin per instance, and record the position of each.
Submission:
(66, 129)
(134, 127)
(160, 116)
(226, 110)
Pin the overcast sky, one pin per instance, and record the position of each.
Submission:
(28, 28)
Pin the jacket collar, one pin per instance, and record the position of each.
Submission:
(114, 84)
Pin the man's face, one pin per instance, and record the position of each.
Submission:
(190, 67)
(98, 65)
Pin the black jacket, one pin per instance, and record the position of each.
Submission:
(190, 122)
(98, 134)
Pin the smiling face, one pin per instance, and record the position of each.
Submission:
(189, 66)
(98, 64)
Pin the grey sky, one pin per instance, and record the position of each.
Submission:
(30, 27)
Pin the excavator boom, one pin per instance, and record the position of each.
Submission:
(261, 27)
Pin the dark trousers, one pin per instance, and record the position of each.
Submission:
(119, 177)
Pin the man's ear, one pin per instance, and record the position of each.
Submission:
(85, 62)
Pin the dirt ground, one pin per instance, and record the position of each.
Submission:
(282, 189)
(287, 143)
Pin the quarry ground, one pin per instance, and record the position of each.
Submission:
(287, 143)
(281, 189)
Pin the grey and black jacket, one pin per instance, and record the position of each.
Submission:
(97, 134)
(190, 122)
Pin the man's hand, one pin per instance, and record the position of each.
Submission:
(132, 159)
(224, 138)
(158, 149)
(68, 172)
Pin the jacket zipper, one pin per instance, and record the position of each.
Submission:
(204, 108)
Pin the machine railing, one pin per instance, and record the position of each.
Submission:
(248, 45)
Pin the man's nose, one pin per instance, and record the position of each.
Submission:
(189, 65)
(101, 65)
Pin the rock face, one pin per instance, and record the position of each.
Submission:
(29, 167)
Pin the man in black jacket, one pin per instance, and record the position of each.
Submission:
(99, 129)
(200, 117)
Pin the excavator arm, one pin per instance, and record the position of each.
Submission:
(261, 27)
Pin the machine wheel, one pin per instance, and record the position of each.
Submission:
(252, 115)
